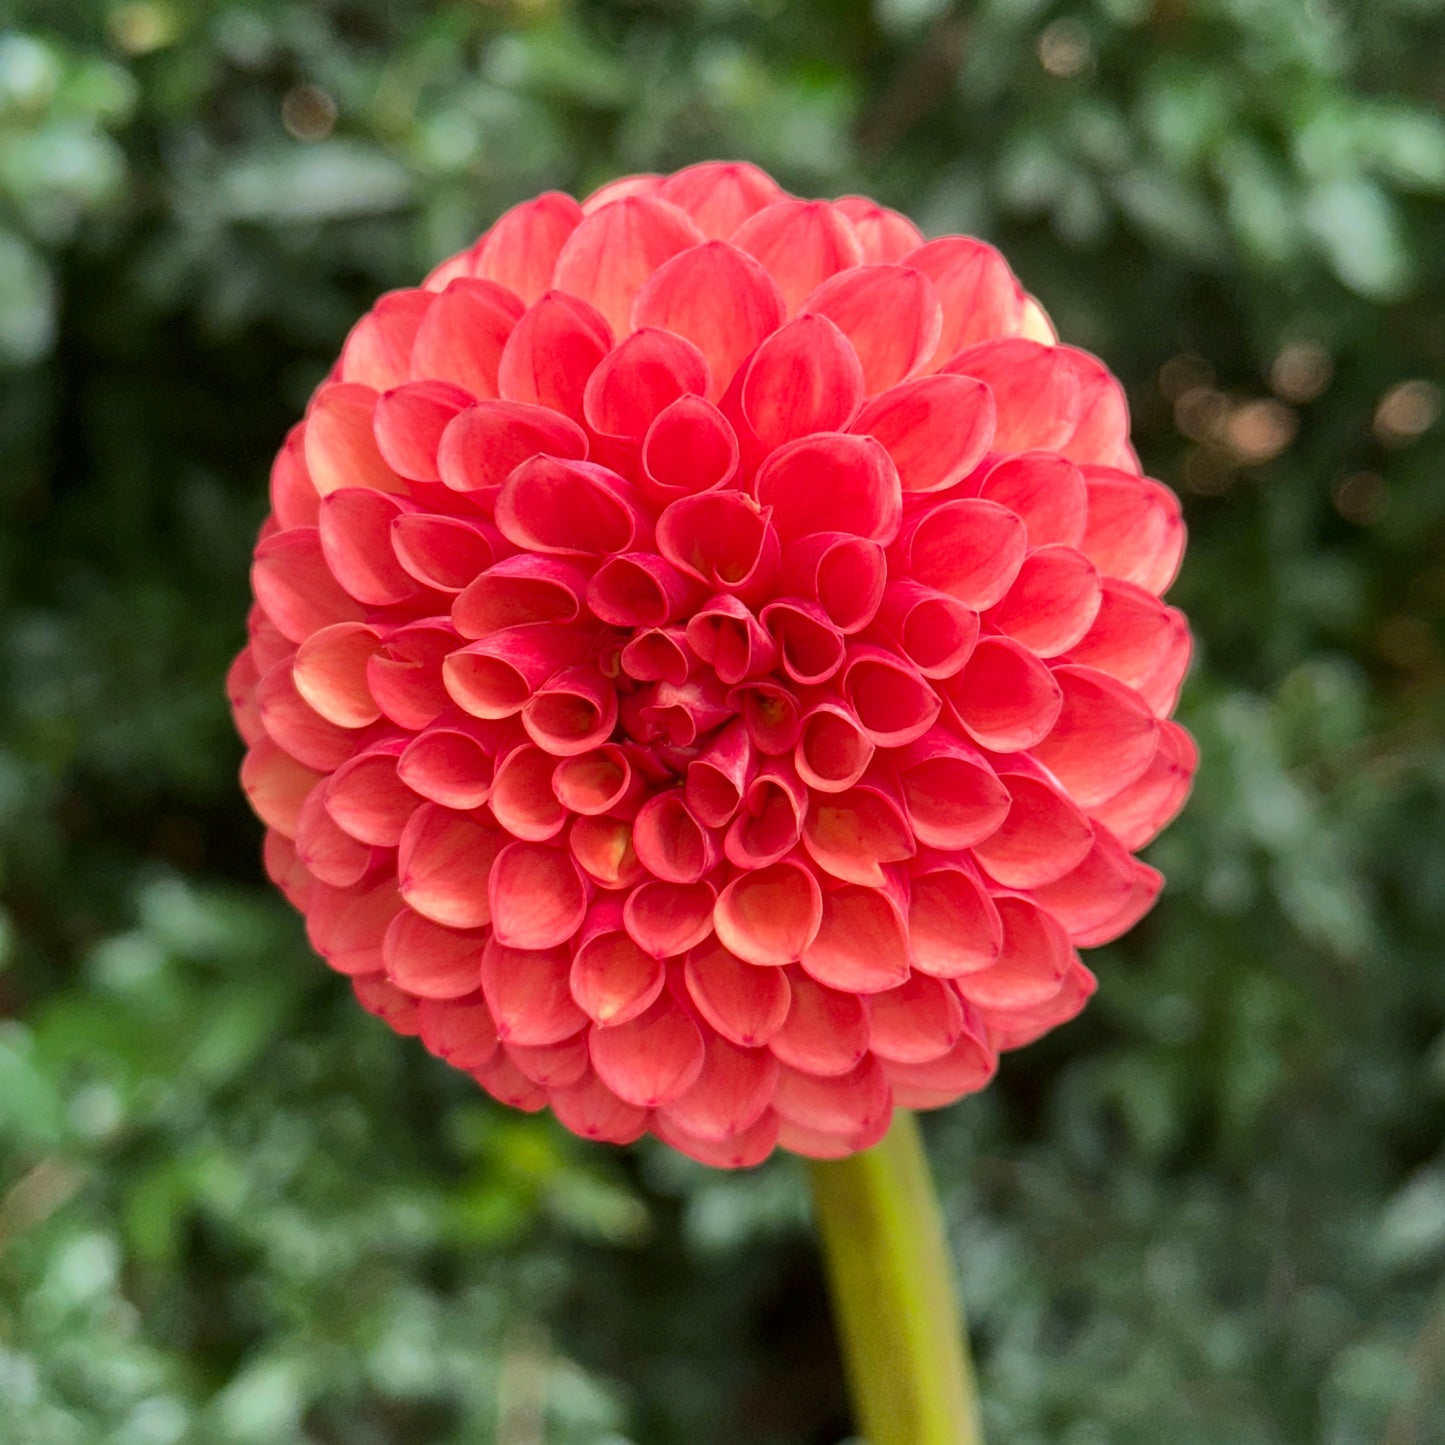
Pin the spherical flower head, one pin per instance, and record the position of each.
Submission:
(707, 674)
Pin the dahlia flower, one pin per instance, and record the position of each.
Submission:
(707, 673)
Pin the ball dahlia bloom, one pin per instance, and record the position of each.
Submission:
(707, 673)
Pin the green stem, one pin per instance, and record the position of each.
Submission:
(905, 1343)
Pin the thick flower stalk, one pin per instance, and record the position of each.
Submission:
(707, 674)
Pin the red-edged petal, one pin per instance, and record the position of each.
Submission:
(612, 979)
(638, 379)
(964, 1069)
(330, 673)
(405, 674)
(327, 852)
(689, 447)
(845, 575)
(718, 777)
(804, 378)
(668, 919)
(933, 631)
(670, 842)
(497, 676)
(724, 539)
(1013, 1028)
(522, 799)
(738, 1151)
(409, 422)
(890, 698)
(520, 590)
(446, 554)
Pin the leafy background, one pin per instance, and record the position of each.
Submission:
(234, 1210)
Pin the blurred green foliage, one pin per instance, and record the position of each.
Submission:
(235, 1210)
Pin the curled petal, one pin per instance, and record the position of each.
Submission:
(684, 713)
(654, 1059)
(964, 1069)
(804, 378)
(377, 352)
(833, 750)
(1005, 698)
(801, 243)
(445, 554)
(862, 943)
(603, 849)
(430, 961)
(719, 776)
(980, 296)
(368, 799)
(847, 1111)
(832, 482)
(355, 529)
(853, 834)
(884, 235)
(1135, 530)
(1104, 738)
(658, 654)
(1015, 1027)
(346, 926)
(890, 698)
(522, 800)
(297, 726)
(770, 823)
(464, 1034)
(571, 508)
(720, 195)
(771, 715)
(1108, 893)
(771, 915)
(1045, 491)
(1037, 395)
(890, 314)
(276, 785)
(744, 1003)
(919, 1020)
(936, 428)
(953, 798)
(451, 765)
(953, 925)
(595, 782)
(612, 979)
(688, 448)
(443, 864)
(934, 631)
(295, 587)
(729, 1096)
(1136, 813)
(1032, 965)
(638, 379)
(518, 591)
(1042, 837)
(462, 337)
(607, 259)
(640, 590)
(1052, 601)
(719, 299)
(409, 422)
(573, 712)
(528, 993)
(340, 441)
(496, 677)
(826, 1030)
(968, 548)
(671, 844)
(845, 575)
(537, 895)
(483, 445)
(551, 352)
(728, 638)
(329, 671)
(405, 674)
(724, 539)
(591, 1109)
(809, 647)
(520, 251)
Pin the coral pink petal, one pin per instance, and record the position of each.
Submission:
(443, 865)
(771, 821)
(405, 674)
(969, 548)
(640, 590)
(652, 1060)
(1108, 893)
(483, 445)
(808, 646)
(890, 314)
(522, 800)
(464, 1034)
(670, 843)
(933, 631)
(496, 677)
(368, 799)
(891, 699)
(294, 498)
(295, 587)
(330, 673)
(853, 1108)
(431, 961)
(520, 590)
(801, 243)
(884, 235)
(606, 260)
(964, 1069)
(446, 554)
(383, 999)
(862, 943)
(1139, 811)
(297, 726)
(612, 979)
(378, 350)
(729, 1096)
(832, 482)
(852, 835)
(936, 428)
(833, 750)
(918, 1021)
(1043, 836)
(668, 919)
(355, 527)
(551, 353)
(520, 251)
(241, 679)
(718, 777)
(744, 1003)
(719, 299)
(538, 897)
(1013, 1028)
(770, 916)
(1131, 635)
(953, 798)
(1160, 686)
(449, 766)
(529, 995)
(1005, 698)
(593, 782)
(825, 1032)
(689, 447)
(340, 442)
(640, 378)
(720, 195)
(571, 508)
(721, 538)
(1037, 396)
(409, 422)
(804, 378)
(591, 1109)
(346, 925)
(771, 714)
(953, 925)
(276, 785)
(327, 852)
(1052, 602)
(1046, 491)
(462, 337)
(727, 637)
(1135, 531)
(573, 712)
(1102, 433)
(1031, 967)
(507, 1084)
(553, 1066)
(845, 575)
(980, 296)
(1104, 738)
(738, 1151)
(603, 850)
